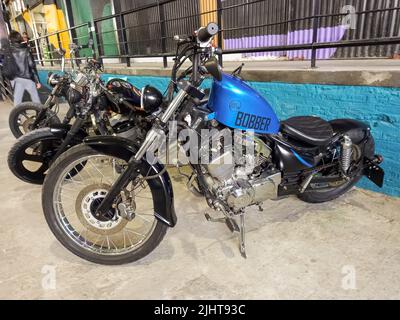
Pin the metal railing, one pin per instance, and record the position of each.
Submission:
(44, 48)
(123, 36)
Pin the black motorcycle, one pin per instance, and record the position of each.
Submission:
(99, 109)
(29, 115)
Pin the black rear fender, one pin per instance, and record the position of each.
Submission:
(161, 187)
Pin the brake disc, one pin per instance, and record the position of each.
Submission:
(86, 204)
(27, 124)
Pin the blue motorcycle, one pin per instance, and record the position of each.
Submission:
(107, 202)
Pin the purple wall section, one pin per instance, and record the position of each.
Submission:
(295, 37)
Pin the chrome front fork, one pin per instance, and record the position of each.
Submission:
(131, 172)
(153, 134)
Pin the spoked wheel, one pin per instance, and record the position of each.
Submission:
(31, 155)
(23, 116)
(129, 230)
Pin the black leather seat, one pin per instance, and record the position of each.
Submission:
(311, 130)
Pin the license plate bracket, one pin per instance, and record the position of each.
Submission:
(375, 173)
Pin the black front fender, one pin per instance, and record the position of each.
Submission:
(161, 187)
(61, 130)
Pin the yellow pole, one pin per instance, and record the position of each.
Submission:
(208, 13)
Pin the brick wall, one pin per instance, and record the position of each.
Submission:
(377, 106)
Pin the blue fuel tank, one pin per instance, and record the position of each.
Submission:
(238, 106)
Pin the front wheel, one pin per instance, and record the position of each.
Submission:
(70, 203)
(23, 116)
(30, 157)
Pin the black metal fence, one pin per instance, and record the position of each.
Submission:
(289, 29)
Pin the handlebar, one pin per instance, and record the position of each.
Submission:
(205, 34)
(198, 49)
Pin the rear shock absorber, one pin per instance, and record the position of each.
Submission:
(347, 148)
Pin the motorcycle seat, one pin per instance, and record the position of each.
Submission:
(311, 130)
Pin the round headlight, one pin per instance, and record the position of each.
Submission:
(151, 99)
(73, 95)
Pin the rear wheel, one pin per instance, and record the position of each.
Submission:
(23, 116)
(329, 192)
(321, 196)
(70, 203)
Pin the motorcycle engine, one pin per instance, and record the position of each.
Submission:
(243, 179)
(235, 176)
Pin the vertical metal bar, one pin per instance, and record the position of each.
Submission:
(99, 47)
(316, 19)
(219, 22)
(124, 39)
(49, 50)
(161, 20)
(39, 52)
(90, 33)
(59, 42)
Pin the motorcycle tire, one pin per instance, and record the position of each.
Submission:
(61, 232)
(45, 144)
(321, 196)
(18, 129)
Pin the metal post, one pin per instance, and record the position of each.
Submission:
(219, 21)
(163, 32)
(316, 20)
(38, 52)
(90, 31)
(99, 47)
(59, 41)
(49, 50)
(124, 39)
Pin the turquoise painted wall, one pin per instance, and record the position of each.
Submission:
(377, 106)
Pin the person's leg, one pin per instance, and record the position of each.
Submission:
(31, 88)
(18, 90)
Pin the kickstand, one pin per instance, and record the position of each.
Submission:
(234, 228)
(242, 244)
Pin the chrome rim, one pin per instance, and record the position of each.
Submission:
(80, 189)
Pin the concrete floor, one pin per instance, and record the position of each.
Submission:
(348, 248)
